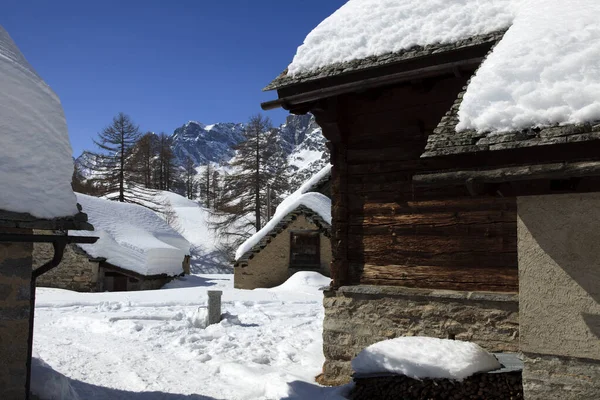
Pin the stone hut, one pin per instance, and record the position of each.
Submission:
(442, 234)
(140, 252)
(36, 194)
(296, 239)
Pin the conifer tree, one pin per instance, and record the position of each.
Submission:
(260, 162)
(110, 167)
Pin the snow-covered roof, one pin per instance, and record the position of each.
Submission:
(316, 207)
(539, 85)
(36, 158)
(132, 237)
(425, 357)
(368, 33)
(302, 201)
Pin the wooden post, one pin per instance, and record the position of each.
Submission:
(214, 306)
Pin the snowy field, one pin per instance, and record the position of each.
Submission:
(153, 344)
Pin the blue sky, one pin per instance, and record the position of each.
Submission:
(162, 62)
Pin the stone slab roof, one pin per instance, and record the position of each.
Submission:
(446, 141)
(310, 215)
(283, 80)
(9, 219)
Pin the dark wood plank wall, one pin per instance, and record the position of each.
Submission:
(390, 233)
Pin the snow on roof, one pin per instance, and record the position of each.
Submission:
(425, 357)
(316, 202)
(365, 28)
(543, 72)
(36, 157)
(132, 237)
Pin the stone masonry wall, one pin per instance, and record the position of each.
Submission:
(358, 316)
(15, 297)
(75, 271)
(560, 378)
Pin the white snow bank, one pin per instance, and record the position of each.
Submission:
(132, 237)
(317, 202)
(425, 357)
(36, 157)
(304, 281)
(48, 384)
(543, 72)
(363, 28)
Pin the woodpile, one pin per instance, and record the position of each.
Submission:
(501, 386)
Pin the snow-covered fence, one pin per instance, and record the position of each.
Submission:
(214, 306)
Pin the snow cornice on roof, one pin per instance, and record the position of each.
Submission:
(374, 62)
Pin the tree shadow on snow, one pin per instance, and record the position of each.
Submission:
(203, 262)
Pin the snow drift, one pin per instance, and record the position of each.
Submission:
(425, 357)
(48, 384)
(36, 158)
(132, 237)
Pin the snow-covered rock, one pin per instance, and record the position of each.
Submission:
(425, 357)
(206, 143)
(364, 28)
(304, 282)
(132, 237)
(36, 162)
(544, 71)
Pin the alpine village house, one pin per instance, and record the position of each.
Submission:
(489, 238)
(297, 238)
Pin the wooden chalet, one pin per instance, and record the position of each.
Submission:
(451, 235)
(396, 244)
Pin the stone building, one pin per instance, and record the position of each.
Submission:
(140, 252)
(296, 239)
(35, 194)
(473, 236)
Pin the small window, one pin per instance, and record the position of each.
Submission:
(304, 249)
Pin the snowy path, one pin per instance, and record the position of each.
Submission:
(150, 344)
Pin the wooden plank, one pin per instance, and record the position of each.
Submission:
(435, 277)
(509, 174)
(504, 229)
(433, 244)
(441, 205)
(454, 259)
(434, 219)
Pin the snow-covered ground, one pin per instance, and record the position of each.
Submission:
(193, 222)
(151, 345)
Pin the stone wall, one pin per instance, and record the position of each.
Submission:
(75, 271)
(270, 267)
(15, 298)
(559, 277)
(560, 378)
(358, 316)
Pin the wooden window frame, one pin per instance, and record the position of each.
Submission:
(315, 266)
